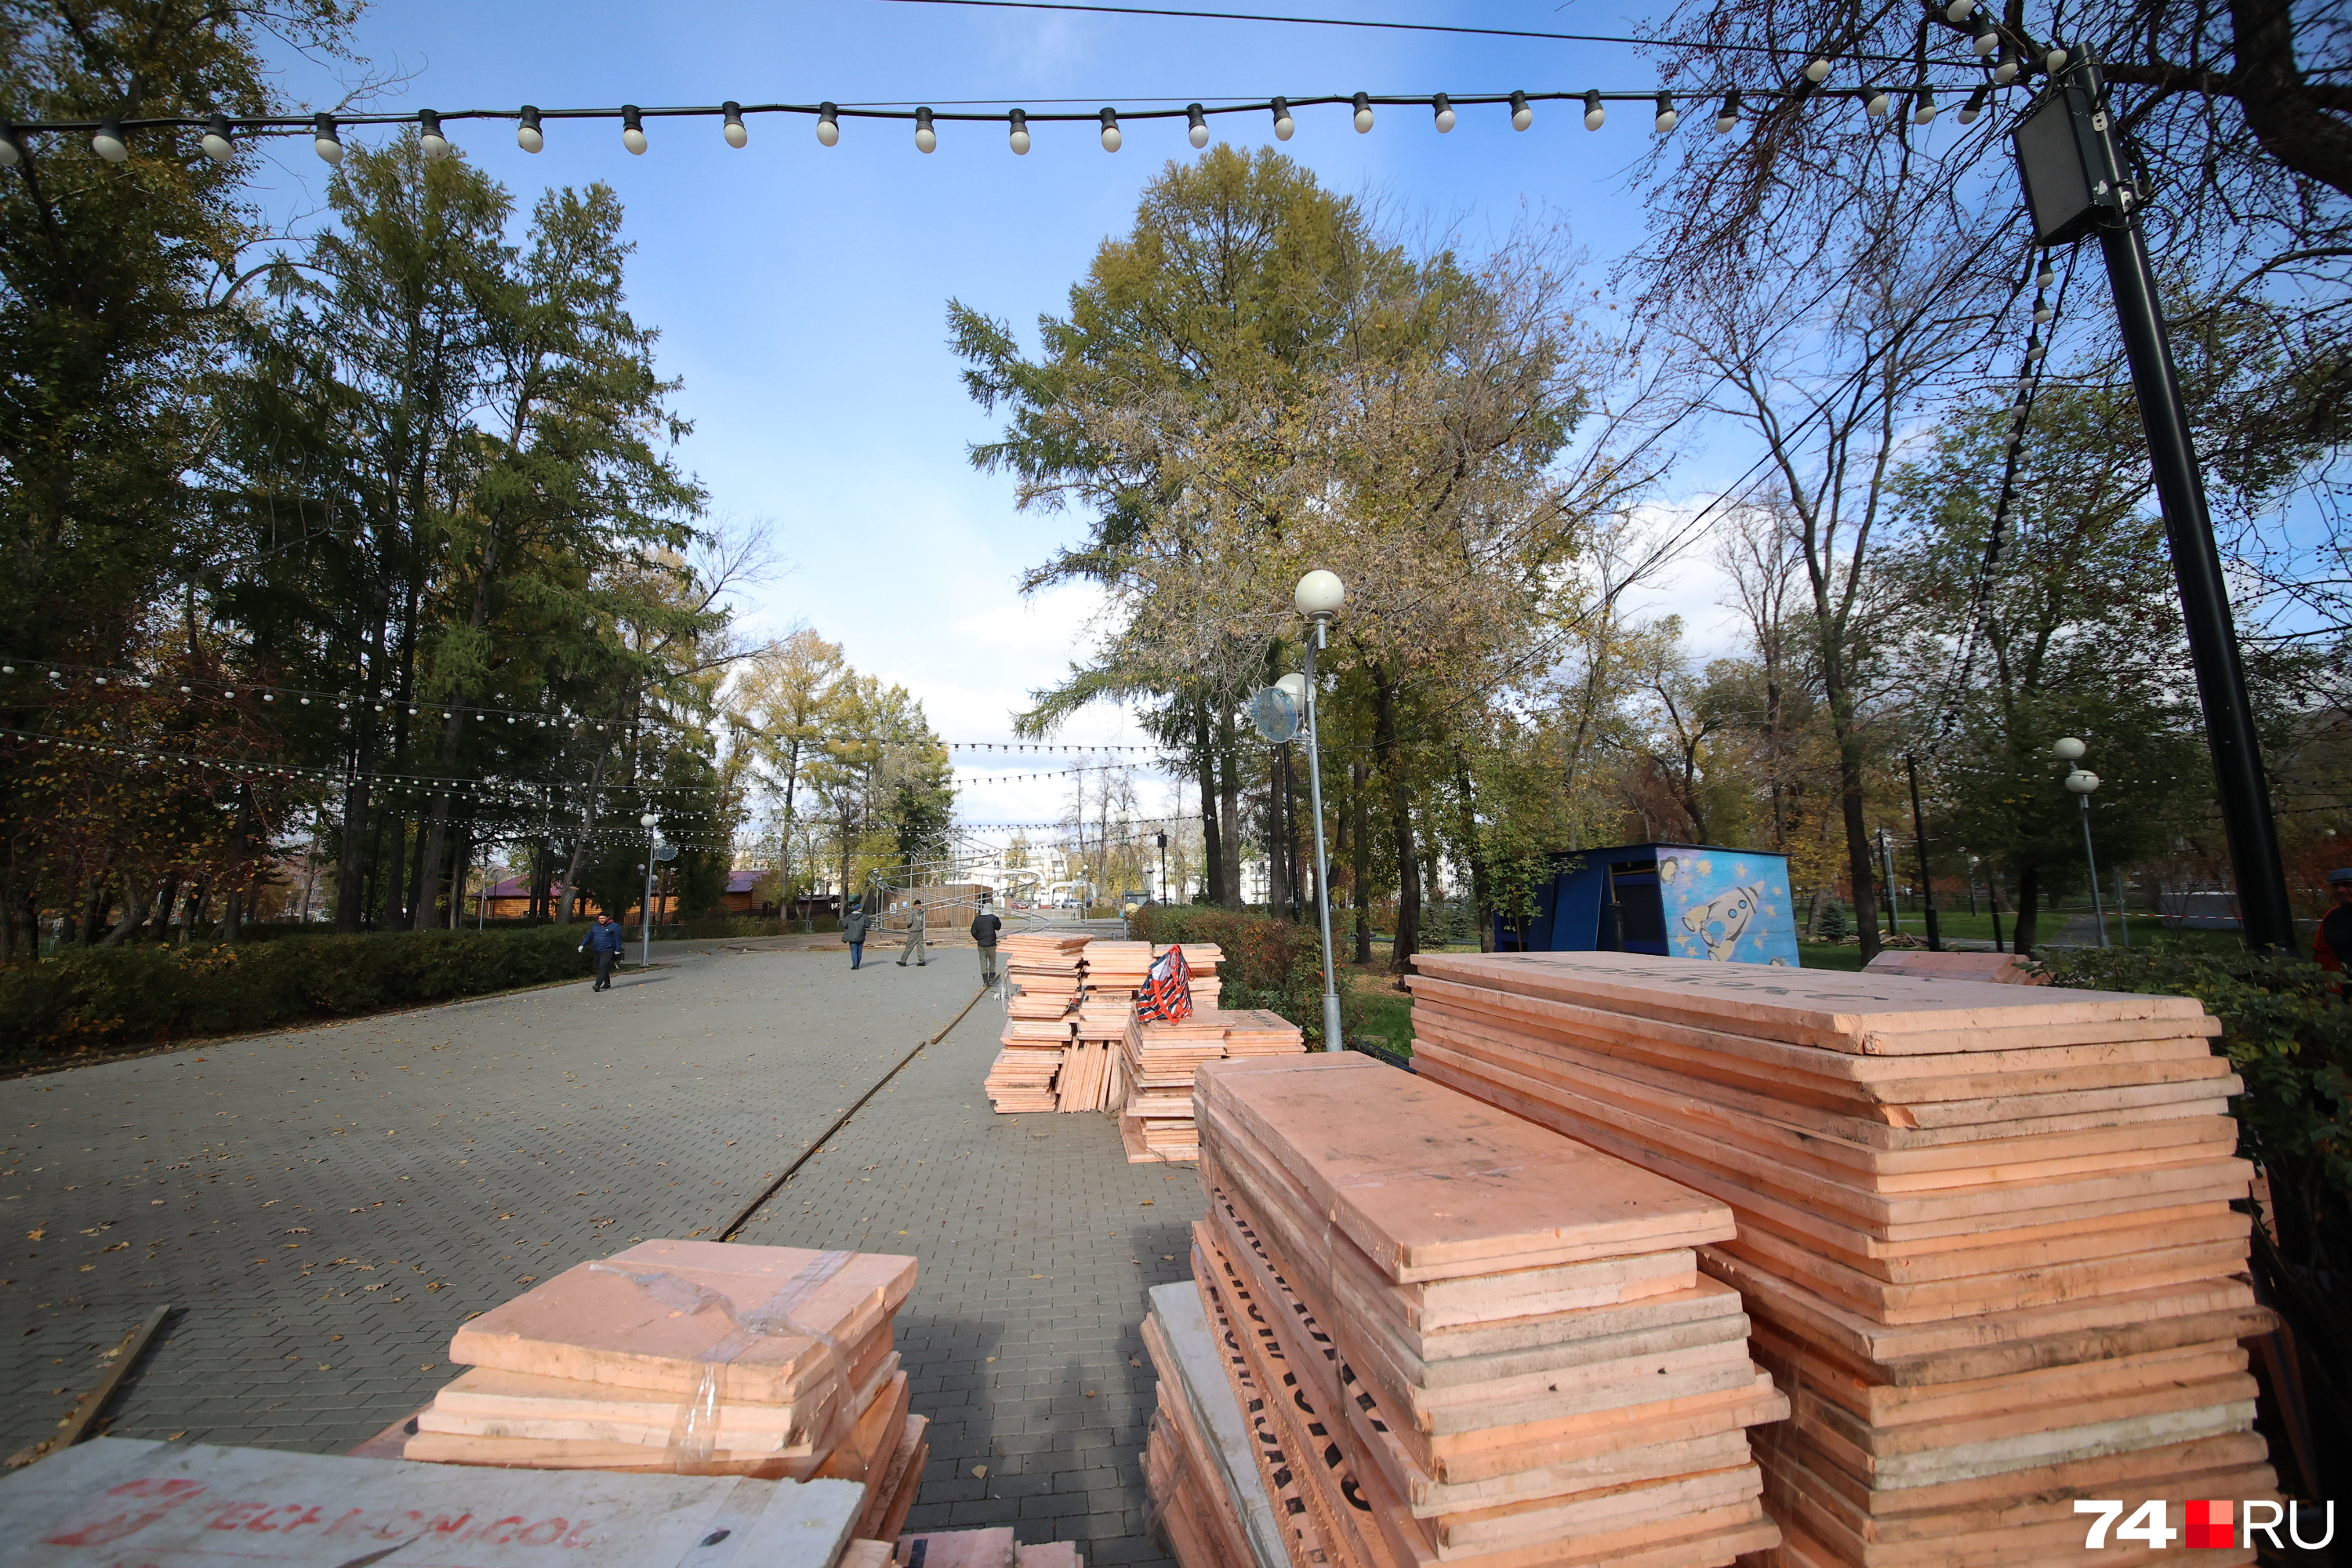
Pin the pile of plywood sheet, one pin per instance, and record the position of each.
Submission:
(693, 1356)
(117, 1501)
(1997, 968)
(1048, 969)
(1477, 1343)
(1158, 1062)
(1212, 1500)
(973, 1549)
(1984, 1231)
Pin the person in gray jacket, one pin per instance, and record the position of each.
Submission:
(914, 947)
(984, 927)
(853, 931)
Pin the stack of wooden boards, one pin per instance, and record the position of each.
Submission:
(1157, 1067)
(1049, 971)
(1996, 968)
(973, 1549)
(116, 1501)
(1475, 1343)
(1984, 1230)
(710, 1358)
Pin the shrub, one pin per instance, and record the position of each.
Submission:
(1267, 962)
(1832, 927)
(88, 999)
(2285, 1027)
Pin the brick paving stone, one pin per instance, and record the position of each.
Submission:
(1038, 1242)
(328, 1203)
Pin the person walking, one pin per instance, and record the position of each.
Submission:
(853, 931)
(914, 947)
(605, 940)
(984, 927)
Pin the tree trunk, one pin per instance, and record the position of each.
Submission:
(1277, 836)
(1229, 809)
(1406, 940)
(1360, 796)
(1212, 842)
(2029, 910)
(1860, 866)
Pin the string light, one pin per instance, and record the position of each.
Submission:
(633, 129)
(926, 139)
(1285, 127)
(1020, 137)
(1667, 118)
(1923, 107)
(325, 141)
(2006, 72)
(1728, 115)
(1522, 116)
(1196, 125)
(2055, 59)
(1874, 103)
(1975, 105)
(828, 126)
(1364, 101)
(435, 145)
(1110, 136)
(733, 130)
(1959, 10)
(11, 155)
(217, 143)
(1817, 71)
(1594, 115)
(527, 133)
(108, 142)
(1986, 40)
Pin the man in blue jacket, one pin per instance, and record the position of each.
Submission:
(605, 940)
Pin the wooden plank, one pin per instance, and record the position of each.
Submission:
(1431, 1184)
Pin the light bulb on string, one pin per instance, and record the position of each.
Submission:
(2054, 58)
(1817, 71)
(217, 143)
(1364, 101)
(1875, 102)
(1523, 114)
(1594, 114)
(633, 129)
(2043, 314)
(1196, 125)
(429, 137)
(1986, 40)
(1111, 138)
(2046, 277)
(1440, 110)
(1975, 106)
(108, 142)
(11, 153)
(1285, 127)
(1667, 118)
(1728, 115)
(325, 141)
(733, 128)
(828, 126)
(1923, 107)
(1019, 138)
(2006, 72)
(1959, 10)
(926, 139)
(528, 135)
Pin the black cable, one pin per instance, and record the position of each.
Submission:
(1390, 27)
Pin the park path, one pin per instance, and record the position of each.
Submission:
(328, 1203)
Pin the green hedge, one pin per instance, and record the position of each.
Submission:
(88, 999)
(2287, 1030)
(1266, 962)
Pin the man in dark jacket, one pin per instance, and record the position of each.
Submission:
(853, 931)
(984, 927)
(605, 940)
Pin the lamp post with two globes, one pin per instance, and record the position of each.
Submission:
(1318, 598)
(2082, 780)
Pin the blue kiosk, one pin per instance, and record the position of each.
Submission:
(1678, 901)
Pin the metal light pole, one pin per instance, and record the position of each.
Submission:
(1318, 598)
(1163, 837)
(649, 822)
(2082, 781)
(1919, 834)
(2075, 186)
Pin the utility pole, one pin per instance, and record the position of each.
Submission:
(1919, 834)
(2075, 186)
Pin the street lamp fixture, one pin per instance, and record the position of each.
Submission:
(2082, 781)
(1319, 597)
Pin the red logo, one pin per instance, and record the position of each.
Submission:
(2209, 1524)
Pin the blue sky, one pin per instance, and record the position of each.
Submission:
(801, 290)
